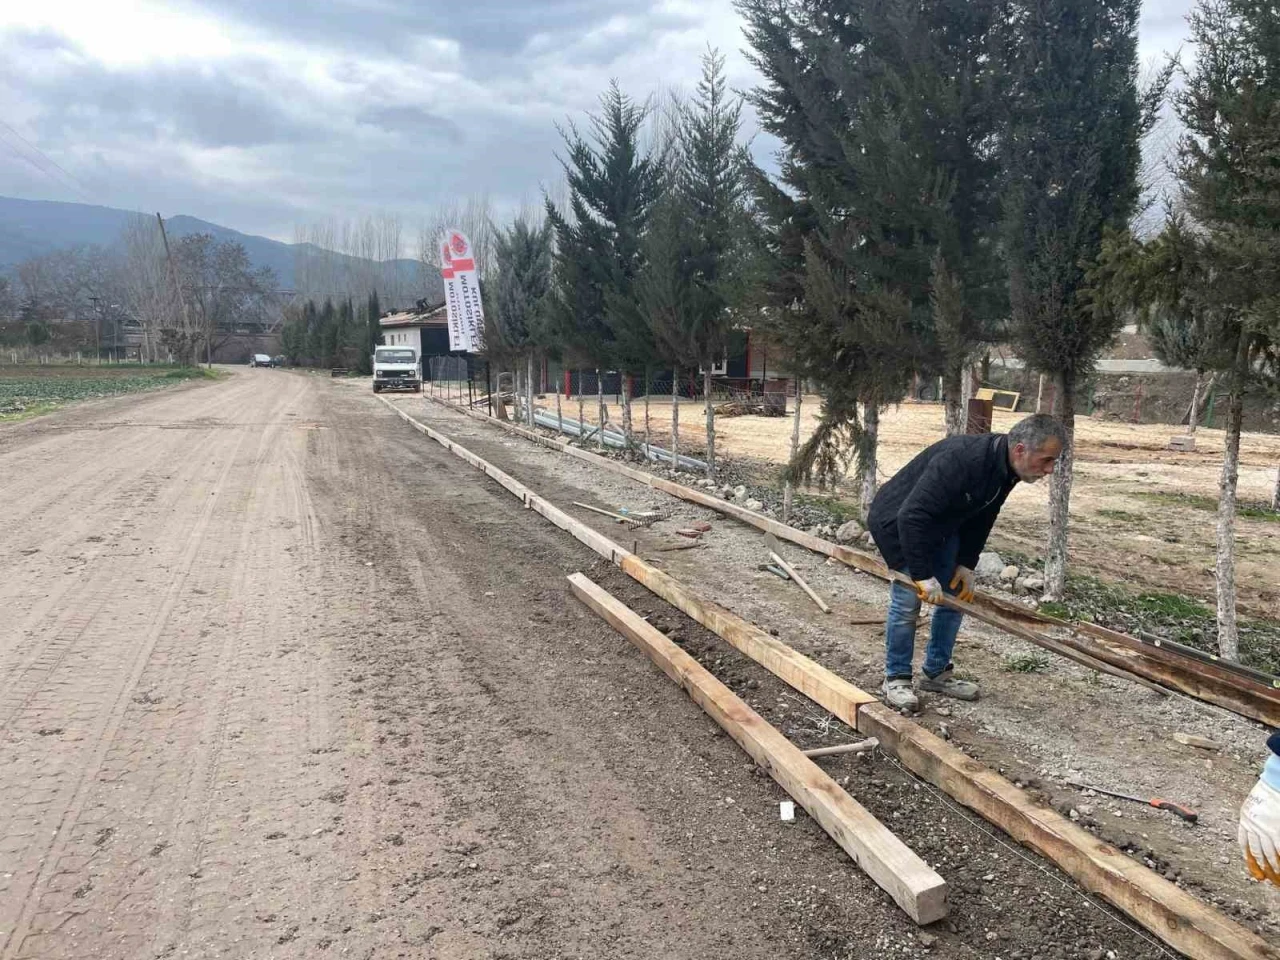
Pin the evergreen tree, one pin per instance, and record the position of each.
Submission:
(313, 346)
(370, 335)
(1230, 175)
(520, 296)
(613, 185)
(328, 337)
(693, 284)
(1073, 149)
(882, 247)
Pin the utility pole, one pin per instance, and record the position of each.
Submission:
(173, 276)
(97, 312)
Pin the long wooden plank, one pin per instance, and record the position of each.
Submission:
(1204, 681)
(791, 572)
(912, 884)
(1191, 926)
(1172, 914)
(815, 681)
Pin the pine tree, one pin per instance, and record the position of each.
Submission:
(1230, 175)
(693, 284)
(370, 335)
(613, 185)
(1073, 149)
(328, 337)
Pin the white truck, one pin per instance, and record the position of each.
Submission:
(396, 368)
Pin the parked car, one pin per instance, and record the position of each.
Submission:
(278, 361)
(260, 360)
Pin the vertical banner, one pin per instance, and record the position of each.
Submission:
(462, 293)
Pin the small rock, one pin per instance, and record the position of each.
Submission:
(989, 565)
(927, 940)
(1074, 814)
(1009, 574)
(848, 532)
(753, 505)
(1034, 584)
(1085, 810)
(868, 539)
(739, 492)
(1020, 585)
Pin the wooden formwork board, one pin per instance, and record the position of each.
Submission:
(1181, 921)
(913, 884)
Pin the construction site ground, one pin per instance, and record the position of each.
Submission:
(1141, 513)
(283, 678)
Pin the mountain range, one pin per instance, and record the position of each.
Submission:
(29, 228)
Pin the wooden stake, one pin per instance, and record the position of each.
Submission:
(912, 884)
(800, 582)
(862, 746)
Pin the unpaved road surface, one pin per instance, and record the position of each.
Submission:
(280, 678)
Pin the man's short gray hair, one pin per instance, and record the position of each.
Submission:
(1036, 430)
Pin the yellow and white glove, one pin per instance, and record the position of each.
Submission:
(929, 590)
(1260, 828)
(962, 584)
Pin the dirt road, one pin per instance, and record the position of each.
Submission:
(281, 679)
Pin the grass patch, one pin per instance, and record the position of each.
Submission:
(30, 391)
(1123, 515)
(1192, 501)
(840, 510)
(1026, 663)
(1169, 615)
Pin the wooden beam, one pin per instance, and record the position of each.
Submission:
(1176, 917)
(812, 679)
(912, 884)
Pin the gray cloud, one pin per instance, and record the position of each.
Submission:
(262, 114)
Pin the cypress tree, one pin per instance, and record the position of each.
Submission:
(1072, 149)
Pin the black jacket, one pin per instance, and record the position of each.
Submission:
(958, 485)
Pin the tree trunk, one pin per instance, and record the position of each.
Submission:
(582, 410)
(1193, 416)
(711, 423)
(795, 447)
(1228, 634)
(953, 408)
(675, 418)
(1055, 565)
(559, 411)
(600, 409)
(867, 458)
(1275, 494)
(1040, 394)
(529, 391)
(648, 444)
(628, 434)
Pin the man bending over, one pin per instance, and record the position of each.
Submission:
(931, 522)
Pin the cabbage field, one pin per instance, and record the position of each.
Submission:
(26, 390)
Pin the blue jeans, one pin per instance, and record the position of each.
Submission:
(900, 626)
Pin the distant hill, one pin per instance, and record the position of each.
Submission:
(29, 228)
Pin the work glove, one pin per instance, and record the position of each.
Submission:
(962, 584)
(929, 590)
(1260, 830)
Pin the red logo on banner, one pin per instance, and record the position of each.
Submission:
(459, 244)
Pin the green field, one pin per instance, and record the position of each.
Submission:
(26, 391)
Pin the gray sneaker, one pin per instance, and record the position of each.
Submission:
(899, 695)
(947, 685)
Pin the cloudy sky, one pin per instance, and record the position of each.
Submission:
(262, 114)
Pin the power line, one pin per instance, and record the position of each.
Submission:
(66, 179)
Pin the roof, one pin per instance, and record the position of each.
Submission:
(416, 318)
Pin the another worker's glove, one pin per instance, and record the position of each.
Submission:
(962, 584)
(929, 590)
(1260, 826)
